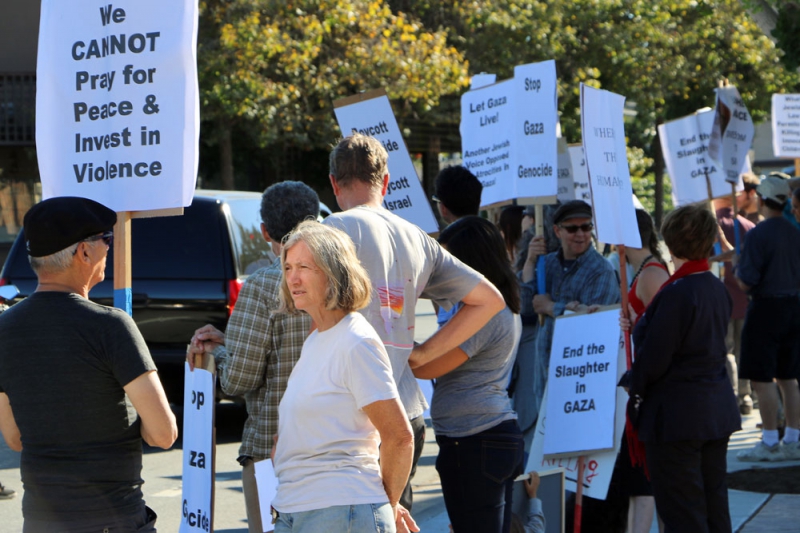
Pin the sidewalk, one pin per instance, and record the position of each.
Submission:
(751, 512)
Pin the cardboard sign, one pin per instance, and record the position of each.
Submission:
(371, 114)
(487, 139)
(551, 494)
(684, 143)
(580, 174)
(536, 152)
(786, 125)
(117, 108)
(582, 383)
(198, 449)
(566, 183)
(607, 163)
(731, 134)
(599, 465)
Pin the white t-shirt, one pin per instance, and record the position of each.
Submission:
(327, 452)
(404, 264)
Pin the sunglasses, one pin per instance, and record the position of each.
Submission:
(435, 199)
(107, 238)
(586, 228)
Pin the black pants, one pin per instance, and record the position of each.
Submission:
(689, 485)
(418, 429)
(140, 521)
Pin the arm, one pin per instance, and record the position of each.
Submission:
(205, 339)
(534, 522)
(441, 365)
(536, 248)
(479, 306)
(397, 446)
(650, 281)
(158, 421)
(8, 426)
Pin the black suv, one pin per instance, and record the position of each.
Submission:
(187, 271)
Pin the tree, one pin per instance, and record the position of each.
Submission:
(273, 69)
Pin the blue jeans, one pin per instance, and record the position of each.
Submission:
(477, 474)
(365, 518)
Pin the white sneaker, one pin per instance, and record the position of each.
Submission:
(791, 450)
(762, 452)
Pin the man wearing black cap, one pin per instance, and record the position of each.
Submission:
(576, 276)
(74, 371)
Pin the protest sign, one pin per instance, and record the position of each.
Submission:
(580, 174)
(607, 165)
(786, 125)
(599, 465)
(371, 114)
(482, 80)
(731, 134)
(117, 108)
(582, 383)
(684, 143)
(267, 487)
(487, 138)
(198, 448)
(535, 148)
(566, 183)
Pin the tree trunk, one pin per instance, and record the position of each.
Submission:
(226, 155)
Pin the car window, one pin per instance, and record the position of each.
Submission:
(250, 250)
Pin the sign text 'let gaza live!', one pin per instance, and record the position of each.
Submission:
(117, 103)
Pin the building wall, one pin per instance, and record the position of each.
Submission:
(19, 32)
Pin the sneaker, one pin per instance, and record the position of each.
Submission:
(5, 493)
(791, 451)
(762, 452)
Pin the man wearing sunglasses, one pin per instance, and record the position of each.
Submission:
(577, 277)
(77, 374)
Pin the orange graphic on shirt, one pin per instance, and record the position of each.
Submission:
(392, 299)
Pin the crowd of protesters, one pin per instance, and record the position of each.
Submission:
(321, 346)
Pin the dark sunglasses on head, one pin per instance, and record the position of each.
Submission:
(586, 228)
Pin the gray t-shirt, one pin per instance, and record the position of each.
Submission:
(474, 397)
(63, 364)
(404, 264)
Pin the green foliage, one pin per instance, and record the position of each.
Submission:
(787, 33)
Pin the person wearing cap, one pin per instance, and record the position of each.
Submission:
(404, 264)
(747, 198)
(577, 277)
(769, 271)
(78, 388)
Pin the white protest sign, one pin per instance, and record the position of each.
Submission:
(566, 183)
(267, 485)
(371, 114)
(198, 450)
(786, 125)
(607, 163)
(599, 465)
(582, 383)
(487, 137)
(535, 150)
(117, 108)
(580, 174)
(482, 80)
(731, 134)
(684, 143)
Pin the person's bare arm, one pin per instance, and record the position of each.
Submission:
(479, 306)
(396, 452)
(8, 425)
(158, 421)
(441, 365)
(650, 281)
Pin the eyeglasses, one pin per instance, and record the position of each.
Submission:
(107, 238)
(586, 228)
(435, 199)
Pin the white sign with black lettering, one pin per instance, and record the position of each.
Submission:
(582, 383)
(684, 143)
(535, 121)
(786, 125)
(580, 174)
(198, 449)
(607, 163)
(731, 134)
(371, 114)
(117, 106)
(487, 140)
(566, 183)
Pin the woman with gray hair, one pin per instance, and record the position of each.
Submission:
(341, 400)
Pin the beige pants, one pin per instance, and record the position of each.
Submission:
(251, 498)
(733, 342)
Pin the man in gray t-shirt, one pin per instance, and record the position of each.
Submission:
(404, 264)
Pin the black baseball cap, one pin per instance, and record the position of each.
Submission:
(57, 223)
(572, 209)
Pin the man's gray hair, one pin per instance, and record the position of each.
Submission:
(285, 205)
(54, 263)
(359, 158)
